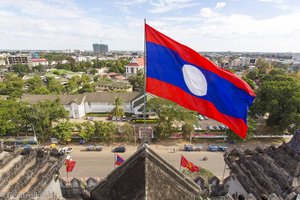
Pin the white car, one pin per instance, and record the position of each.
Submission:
(66, 150)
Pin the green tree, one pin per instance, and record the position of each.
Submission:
(126, 132)
(168, 114)
(74, 83)
(85, 79)
(38, 68)
(118, 109)
(42, 116)
(279, 95)
(36, 86)
(54, 86)
(250, 132)
(86, 130)
(9, 116)
(21, 69)
(249, 81)
(13, 86)
(63, 131)
(105, 130)
(187, 129)
(136, 81)
(87, 87)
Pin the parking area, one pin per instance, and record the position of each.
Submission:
(100, 164)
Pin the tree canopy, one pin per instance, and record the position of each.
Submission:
(168, 114)
(279, 95)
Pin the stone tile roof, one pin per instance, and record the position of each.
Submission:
(63, 99)
(27, 172)
(110, 96)
(113, 84)
(266, 171)
(294, 144)
(145, 175)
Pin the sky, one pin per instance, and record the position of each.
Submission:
(204, 25)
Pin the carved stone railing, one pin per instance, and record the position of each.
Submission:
(7, 176)
(44, 178)
(30, 173)
(7, 158)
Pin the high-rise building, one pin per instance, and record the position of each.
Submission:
(100, 48)
(20, 59)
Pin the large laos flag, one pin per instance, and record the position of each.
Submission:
(178, 73)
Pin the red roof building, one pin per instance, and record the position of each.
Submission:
(134, 66)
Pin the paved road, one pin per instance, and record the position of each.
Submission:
(100, 164)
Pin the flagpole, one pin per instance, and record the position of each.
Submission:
(145, 71)
(114, 160)
(224, 172)
(180, 163)
(67, 177)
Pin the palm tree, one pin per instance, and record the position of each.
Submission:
(118, 110)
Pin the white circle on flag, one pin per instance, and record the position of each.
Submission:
(195, 80)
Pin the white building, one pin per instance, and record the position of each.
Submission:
(296, 57)
(2, 62)
(97, 102)
(134, 66)
(39, 61)
(24, 59)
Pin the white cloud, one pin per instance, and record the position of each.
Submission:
(206, 12)
(35, 24)
(62, 24)
(236, 32)
(220, 5)
(162, 6)
(126, 5)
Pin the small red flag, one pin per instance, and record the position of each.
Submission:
(70, 164)
(187, 164)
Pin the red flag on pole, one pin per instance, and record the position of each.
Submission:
(70, 164)
(187, 164)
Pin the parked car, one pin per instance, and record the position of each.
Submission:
(197, 127)
(222, 127)
(113, 118)
(198, 147)
(124, 118)
(109, 117)
(217, 128)
(119, 149)
(90, 118)
(212, 148)
(222, 148)
(66, 150)
(200, 117)
(210, 128)
(188, 147)
(94, 148)
(206, 118)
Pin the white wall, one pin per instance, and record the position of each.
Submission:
(103, 107)
(81, 110)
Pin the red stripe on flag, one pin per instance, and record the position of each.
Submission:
(202, 106)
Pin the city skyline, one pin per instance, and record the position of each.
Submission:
(232, 25)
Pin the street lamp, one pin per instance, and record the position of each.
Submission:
(34, 134)
(134, 135)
